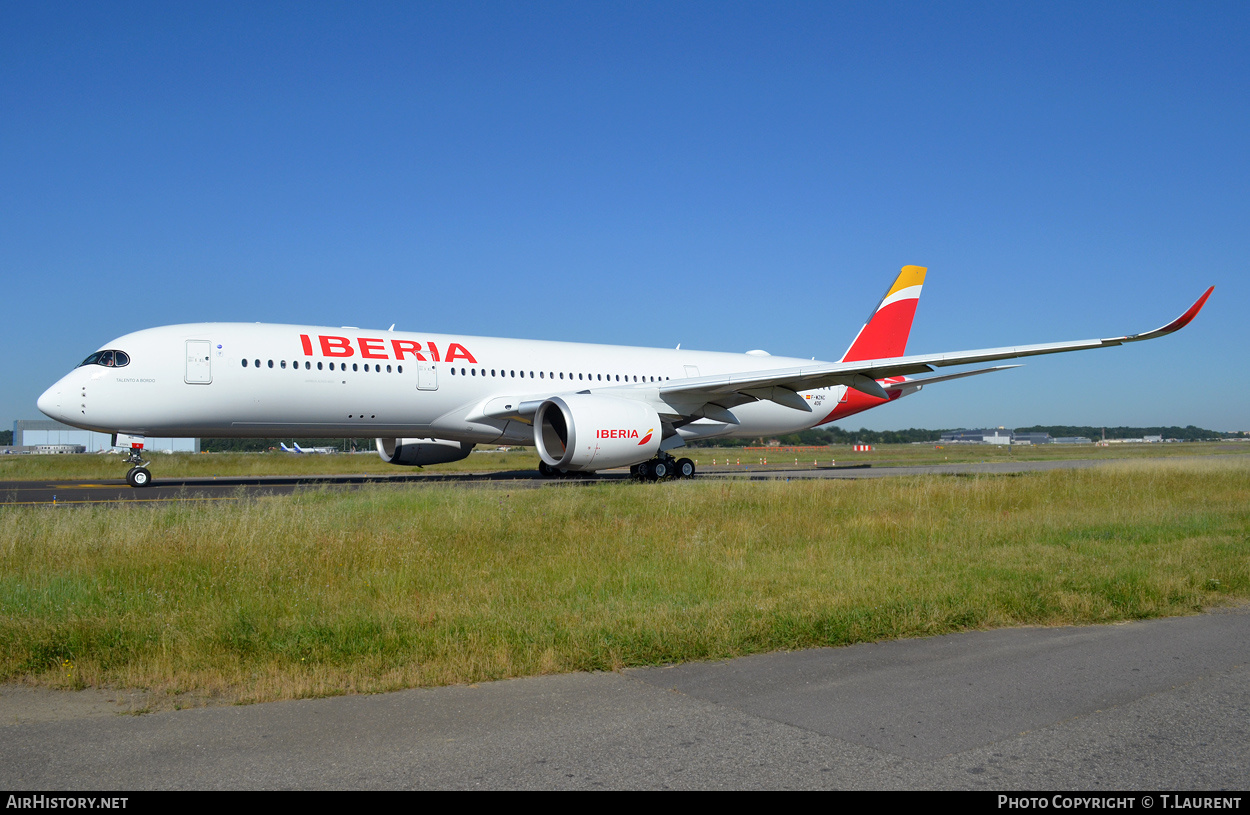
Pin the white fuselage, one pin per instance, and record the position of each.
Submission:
(259, 380)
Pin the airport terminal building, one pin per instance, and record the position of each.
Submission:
(996, 435)
(1000, 435)
(46, 436)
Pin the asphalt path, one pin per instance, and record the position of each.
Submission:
(1156, 705)
(233, 488)
(229, 488)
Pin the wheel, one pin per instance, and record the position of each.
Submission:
(685, 468)
(644, 471)
(633, 472)
(139, 477)
(661, 469)
(544, 469)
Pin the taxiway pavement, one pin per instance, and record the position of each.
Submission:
(1154, 705)
(232, 487)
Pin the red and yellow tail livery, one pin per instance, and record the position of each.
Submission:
(885, 334)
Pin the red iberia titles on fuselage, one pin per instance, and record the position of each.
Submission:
(376, 348)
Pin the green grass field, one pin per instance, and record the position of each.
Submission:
(389, 587)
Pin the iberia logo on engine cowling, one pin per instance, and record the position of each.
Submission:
(624, 434)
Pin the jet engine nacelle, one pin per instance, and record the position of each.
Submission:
(589, 432)
(414, 452)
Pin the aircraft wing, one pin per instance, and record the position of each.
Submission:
(711, 396)
(782, 385)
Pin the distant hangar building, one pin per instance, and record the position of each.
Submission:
(994, 435)
(49, 436)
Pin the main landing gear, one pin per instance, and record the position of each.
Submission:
(547, 471)
(662, 467)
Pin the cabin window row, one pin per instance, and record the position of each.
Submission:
(509, 374)
(342, 366)
(495, 372)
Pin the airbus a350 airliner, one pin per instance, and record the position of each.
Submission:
(429, 399)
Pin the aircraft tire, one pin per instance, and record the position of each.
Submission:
(544, 469)
(660, 469)
(139, 477)
(685, 468)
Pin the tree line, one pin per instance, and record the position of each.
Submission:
(831, 435)
(262, 445)
(1188, 433)
(838, 435)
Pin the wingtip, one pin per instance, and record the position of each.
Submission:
(1176, 325)
(1185, 319)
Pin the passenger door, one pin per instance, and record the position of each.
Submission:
(199, 363)
(427, 376)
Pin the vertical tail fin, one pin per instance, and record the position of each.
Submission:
(885, 334)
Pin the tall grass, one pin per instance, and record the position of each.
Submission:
(391, 587)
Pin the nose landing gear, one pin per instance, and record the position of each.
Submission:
(138, 475)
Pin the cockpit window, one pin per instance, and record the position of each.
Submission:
(109, 359)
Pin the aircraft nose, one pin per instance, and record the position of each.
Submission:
(50, 402)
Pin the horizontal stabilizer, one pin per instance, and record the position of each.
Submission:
(929, 380)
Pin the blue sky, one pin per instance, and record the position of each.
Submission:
(724, 175)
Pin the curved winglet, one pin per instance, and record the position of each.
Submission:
(1177, 324)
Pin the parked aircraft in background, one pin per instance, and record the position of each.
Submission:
(301, 450)
(430, 399)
